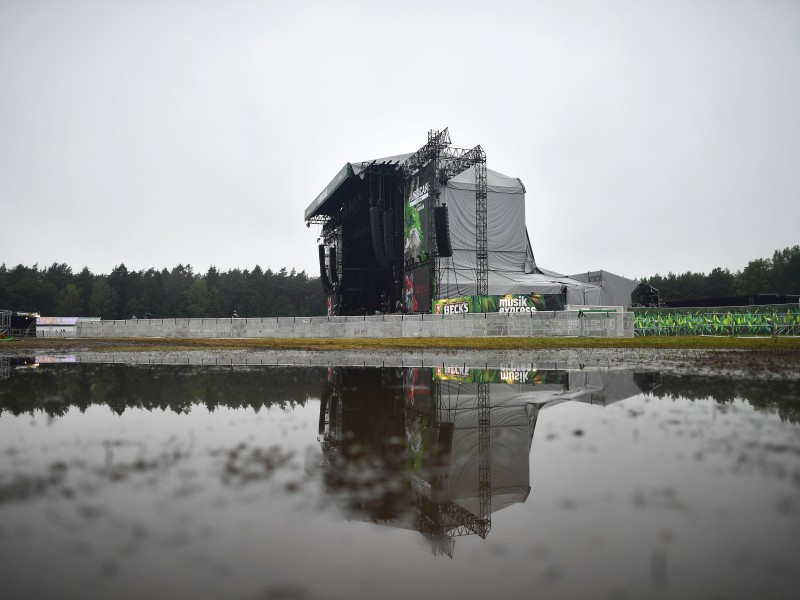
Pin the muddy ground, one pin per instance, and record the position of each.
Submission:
(760, 359)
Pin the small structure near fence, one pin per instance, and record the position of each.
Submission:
(14, 323)
(5, 323)
(50, 327)
(768, 320)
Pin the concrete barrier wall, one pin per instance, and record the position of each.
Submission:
(539, 324)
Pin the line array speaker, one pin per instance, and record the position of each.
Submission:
(442, 222)
(332, 264)
(388, 234)
(323, 273)
(375, 214)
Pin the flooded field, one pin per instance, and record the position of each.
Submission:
(209, 481)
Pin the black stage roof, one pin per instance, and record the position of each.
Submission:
(330, 200)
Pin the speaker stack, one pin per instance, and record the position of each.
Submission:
(323, 273)
(442, 223)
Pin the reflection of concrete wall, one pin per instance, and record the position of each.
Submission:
(56, 331)
(543, 324)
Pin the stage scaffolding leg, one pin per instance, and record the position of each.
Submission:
(481, 249)
(448, 162)
(484, 461)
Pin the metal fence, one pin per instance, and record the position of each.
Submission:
(53, 332)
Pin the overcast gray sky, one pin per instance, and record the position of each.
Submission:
(651, 136)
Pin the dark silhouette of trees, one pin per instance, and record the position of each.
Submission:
(778, 275)
(179, 292)
(105, 300)
(69, 301)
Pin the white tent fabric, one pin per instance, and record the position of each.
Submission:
(512, 269)
(461, 282)
(507, 240)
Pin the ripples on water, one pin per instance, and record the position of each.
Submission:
(281, 482)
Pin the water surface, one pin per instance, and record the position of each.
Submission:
(358, 482)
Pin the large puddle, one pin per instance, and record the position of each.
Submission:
(122, 481)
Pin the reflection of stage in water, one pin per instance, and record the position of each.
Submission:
(439, 450)
(17, 362)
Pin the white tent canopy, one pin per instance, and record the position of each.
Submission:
(512, 268)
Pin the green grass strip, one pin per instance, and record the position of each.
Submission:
(427, 343)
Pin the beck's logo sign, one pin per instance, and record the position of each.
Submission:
(452, 309)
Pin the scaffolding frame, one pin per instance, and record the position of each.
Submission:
(484, 461)
(449, 161)
(5, 323)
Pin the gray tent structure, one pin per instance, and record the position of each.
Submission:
(615, 290)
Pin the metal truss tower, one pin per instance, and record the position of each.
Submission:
(481, 242)
(448, 162)
(458, 160)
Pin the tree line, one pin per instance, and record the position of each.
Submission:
(778, 275)
(180, 292)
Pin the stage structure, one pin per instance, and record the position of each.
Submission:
(405, 232)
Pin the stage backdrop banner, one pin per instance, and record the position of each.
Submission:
(416, 244)
(511, 303)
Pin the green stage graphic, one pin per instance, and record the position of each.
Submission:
(512, 303)
(415, 215)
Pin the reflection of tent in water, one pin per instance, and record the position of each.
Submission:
(592, 387)
(510, 431)
(440, 450)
